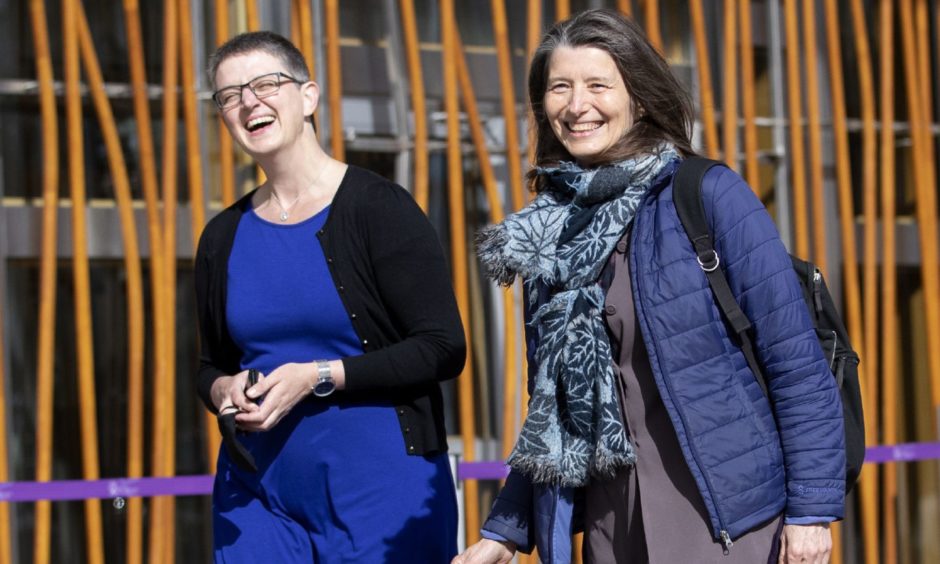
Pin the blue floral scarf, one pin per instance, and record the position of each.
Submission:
(563, 240)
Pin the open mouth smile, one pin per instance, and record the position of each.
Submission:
(583, 129)
(257, 124)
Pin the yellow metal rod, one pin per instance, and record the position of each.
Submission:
(729, 106)
(226, 157)
(815, 136)
(122, 189)
(45, 354)
(458, 239)
(419, 109)
(797, 150)
(703, 66)
(334, 79)
(651, 11)
(159, 507)
(85, 368)
(135, 389)
(510, 358)
(748, 98)
(889, 321)
(508, 98)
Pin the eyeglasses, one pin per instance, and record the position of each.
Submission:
(261, 86)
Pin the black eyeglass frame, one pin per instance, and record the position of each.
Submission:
(241, 88)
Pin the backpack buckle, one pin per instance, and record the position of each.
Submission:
(710, 264)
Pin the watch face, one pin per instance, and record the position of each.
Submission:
(324, 388)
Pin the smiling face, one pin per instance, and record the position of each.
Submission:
(586, 102)
(264, 125)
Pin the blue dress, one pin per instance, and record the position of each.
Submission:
(334, 484)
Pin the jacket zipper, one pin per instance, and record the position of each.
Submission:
(722, 533)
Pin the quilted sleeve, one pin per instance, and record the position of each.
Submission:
(803, 393)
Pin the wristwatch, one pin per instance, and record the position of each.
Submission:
(325, 384)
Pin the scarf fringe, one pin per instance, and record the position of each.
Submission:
(491, 242)
(546, 470)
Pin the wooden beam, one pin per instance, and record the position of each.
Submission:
(748, 101)
(508, 98)
(814, 119)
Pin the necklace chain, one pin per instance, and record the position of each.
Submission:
(285, 210)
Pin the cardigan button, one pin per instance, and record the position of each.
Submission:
(407, 429)
(365, 342)
(329, 260)
(401, 411)
(341, 289)
(352, 316)
(610, 310)
(411, 448)
(321, 232)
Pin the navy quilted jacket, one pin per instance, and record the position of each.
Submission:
(751, 458)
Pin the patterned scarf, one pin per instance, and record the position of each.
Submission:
(563, 239)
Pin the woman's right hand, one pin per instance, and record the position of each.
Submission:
(486, 551)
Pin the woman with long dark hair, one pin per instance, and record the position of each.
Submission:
(646, 428)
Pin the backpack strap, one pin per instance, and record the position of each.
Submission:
(687, 197)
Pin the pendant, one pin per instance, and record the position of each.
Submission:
(283, 216)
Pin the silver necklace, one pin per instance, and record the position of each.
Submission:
(285, 210)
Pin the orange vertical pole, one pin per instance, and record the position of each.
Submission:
(122, 194)
(251, 14)
(510, 357)
(533, 36)
(625, 7)
(508, 97)
(815, 135)
(458, 238)
(85, 367)
(226, 158)
(496, 215)
(748, 105)
(306, 43)
(927, 201)
(295, 22)
(651, 11)
(846, 207)
(45, 354)
(889, 320)
(254, 24)
(868, 368)
(135, 390)
(334, 79)
(6, 535)
(729, 110)
(163, 403)
(797, 151)
(419, 110)
(191, 123)
(562, 9)
(703, 66)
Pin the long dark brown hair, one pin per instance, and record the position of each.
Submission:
(661, 107)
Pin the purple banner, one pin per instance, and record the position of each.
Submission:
(486, 470)
(65, 490)
(69, 490)
(907, 452)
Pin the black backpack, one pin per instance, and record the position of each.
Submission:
(834, 339)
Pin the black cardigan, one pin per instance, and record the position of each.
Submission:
(392, 277)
